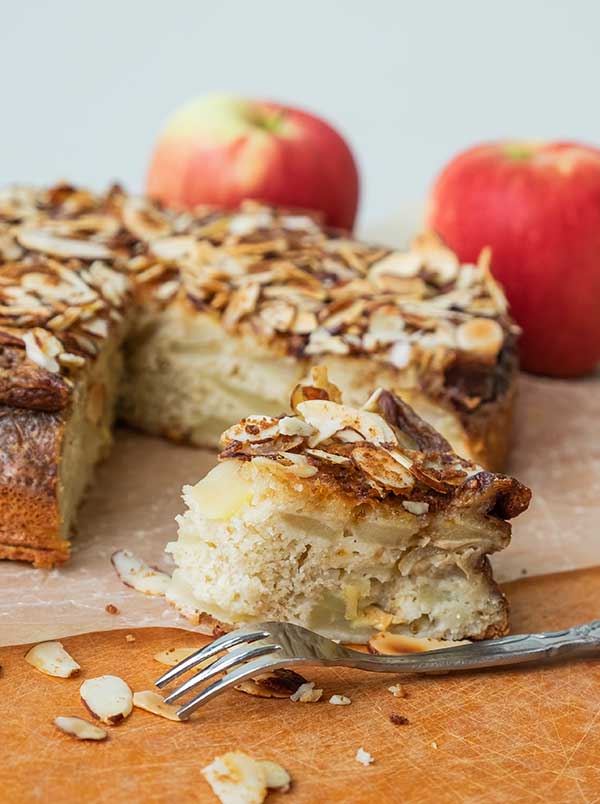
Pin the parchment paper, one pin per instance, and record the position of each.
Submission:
(137, 494)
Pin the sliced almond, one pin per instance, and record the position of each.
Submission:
(144, 220)
(252, 428)
(294, 425)
(329, 417)
(173, 248)
(483, 336)
(40, 240)
(379, 465)
(52, 659)
(136, 573)
(280, 683)
(151, 701)
(276, 777)
(108, 698)
(80, 728)
(173, 656)
(43, 348)
(392, 644)
(237, 778)
(404, 264)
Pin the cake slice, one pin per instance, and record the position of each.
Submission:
(345, 520)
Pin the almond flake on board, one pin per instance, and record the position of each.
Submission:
(152, 702)
(80, 728)
(138, 575)
(107, 698)
(237, 778)
(52, 659)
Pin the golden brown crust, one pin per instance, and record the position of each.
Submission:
(30, 446)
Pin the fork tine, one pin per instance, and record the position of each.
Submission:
(229, 679)
(224, 663)
(222, 643)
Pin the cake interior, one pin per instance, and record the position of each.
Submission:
(185, 379)
(258, 543)
(87, 436)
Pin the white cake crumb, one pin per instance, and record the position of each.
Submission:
(364, 757)
(340, 700)
(306, 693)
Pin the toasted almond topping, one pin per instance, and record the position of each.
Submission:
(40, 240)
(107, 698)
(52, 659)
(329, 417)
(405, 264)
(294, 425)
(80, 728)
(136, 573)
(151, 701)
(483, 336)
(42, 348)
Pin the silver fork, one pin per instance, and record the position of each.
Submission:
(268, 646)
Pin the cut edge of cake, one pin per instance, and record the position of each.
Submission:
(347, 521)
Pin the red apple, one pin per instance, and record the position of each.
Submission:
(538, 206)
(221, 149)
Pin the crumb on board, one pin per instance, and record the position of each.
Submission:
(399, 720)
(364, 757)
(340, 700)
(129, 638)
(306, 693)
(398, 691)
(110, 608)
(434, 744)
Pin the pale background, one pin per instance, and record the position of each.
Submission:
(86, 86)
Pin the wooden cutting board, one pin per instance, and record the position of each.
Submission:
(521, 735)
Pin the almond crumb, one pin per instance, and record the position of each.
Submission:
(340, 700)
(398, 691)
(434, 744)
(129, 638)
(110, 608)
(306, 693)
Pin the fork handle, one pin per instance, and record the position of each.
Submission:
(580, 640)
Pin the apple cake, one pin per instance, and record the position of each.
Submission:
(181, 324)
(345, 520)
